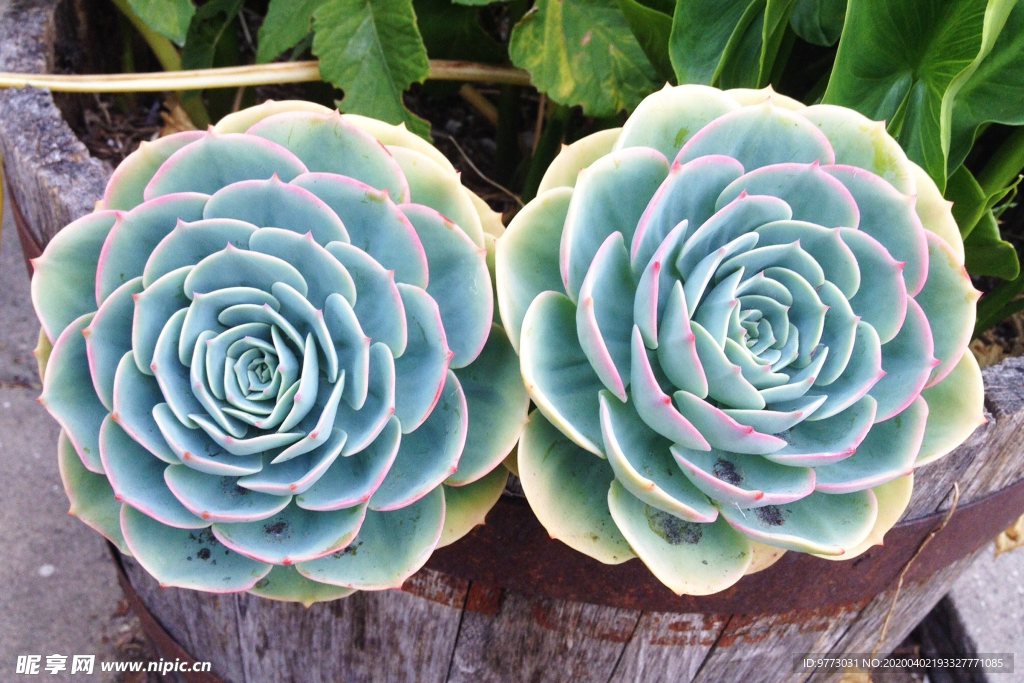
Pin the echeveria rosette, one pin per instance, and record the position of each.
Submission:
(274, 356)
(743, 322)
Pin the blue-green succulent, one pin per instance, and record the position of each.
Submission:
(274, 357)
(743, 323)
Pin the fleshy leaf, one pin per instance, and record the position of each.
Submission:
(274, 204)
(63, 280)
(137, 233)
(288, 585)
(610, 196)
(643, 464)
(689, 558)
(460, 282)
(292, 535)
(821, 523)
(429, 454)
(353, 479)
(390, 547)
(955, 410)
(526, 262)
(467, 506)
(69, 396)
(92, 499)
(420, 372)
(886, 453)
(327, 143)
(374, 224)
(188, 558)
(128, 181)
(216, 160)
(949, 301)
(556, 371)
(566, 167)
(567, 488)
(496, 401)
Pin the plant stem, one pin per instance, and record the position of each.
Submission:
(481, 104)
(1004, 166)
(506, 155)
(169, 59)
(237, 76)
(547, 149)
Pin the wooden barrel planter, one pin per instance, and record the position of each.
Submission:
(507, 603)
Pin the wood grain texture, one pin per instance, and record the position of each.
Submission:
(541, 640)
(48, 170)
(915, 601)
(668, 647)
(395, 635)
(204, 624)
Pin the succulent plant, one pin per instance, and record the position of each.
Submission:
(743, 322)
(274, 358)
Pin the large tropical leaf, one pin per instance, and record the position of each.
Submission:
(581, 52)
(986, 252)
(994, 92)
(819, 21)
(652, 29)
(903, 61)
(728, 43)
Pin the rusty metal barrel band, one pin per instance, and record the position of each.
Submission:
(512, 551)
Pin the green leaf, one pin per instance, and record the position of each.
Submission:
(819, 21)
(986, 253)
(581, 52)
(776, 20)
(968, 200)
(652, 29)
(976, 216)
(453, 32)
(994, 92)
(905, 60)
(169, 18)
(477, 3)
(373, 51)
(1000, 303)
(741, 62)
(730, 44)
(208, 26)
(701, 30)
(286, 24)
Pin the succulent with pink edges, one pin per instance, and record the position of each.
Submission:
(274, 358)
(743, 322)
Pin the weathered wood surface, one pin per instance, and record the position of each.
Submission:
(49, 171)
(406, 635)
(439, 628)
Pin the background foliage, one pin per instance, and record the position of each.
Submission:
(947, 76)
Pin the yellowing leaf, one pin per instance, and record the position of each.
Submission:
(581, 52)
